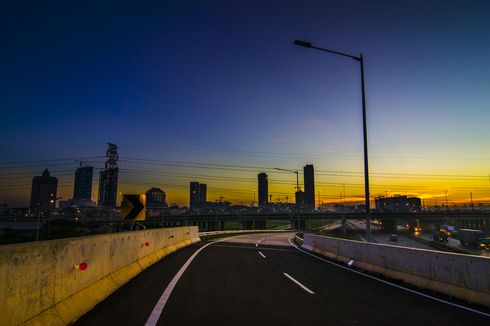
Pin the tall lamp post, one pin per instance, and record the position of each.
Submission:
(366, 169)
(297, 189)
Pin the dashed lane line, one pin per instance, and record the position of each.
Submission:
(298, 283)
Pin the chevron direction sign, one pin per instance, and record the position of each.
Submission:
(133, 207)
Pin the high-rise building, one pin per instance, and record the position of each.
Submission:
(202, 193)
(83, 183)
(263, 189)
(309, 194)
(198, 194)
(108, 178)
(194, 195)
(43, 193)
(155, 198)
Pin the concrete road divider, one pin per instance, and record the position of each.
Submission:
(460, 276)
(55, 282)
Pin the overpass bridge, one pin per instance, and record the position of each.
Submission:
(460, 219)
(250, 279)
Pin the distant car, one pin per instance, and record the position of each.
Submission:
(484, 243)
(394, 237)
(440, 236)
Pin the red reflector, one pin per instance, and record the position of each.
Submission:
(147, 244)
(82, 266)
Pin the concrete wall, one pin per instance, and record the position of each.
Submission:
(461, 276)
(40, 285)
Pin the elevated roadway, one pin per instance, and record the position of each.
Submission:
(262, 279)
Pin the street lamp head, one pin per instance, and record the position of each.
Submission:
(302, 43)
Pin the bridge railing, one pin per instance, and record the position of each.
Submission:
(54, 282)
(460, 276)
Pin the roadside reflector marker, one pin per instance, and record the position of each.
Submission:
(81, 267)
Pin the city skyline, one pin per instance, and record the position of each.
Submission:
(198, 83)
(281, 189)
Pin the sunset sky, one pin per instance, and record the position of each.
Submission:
(216, 92)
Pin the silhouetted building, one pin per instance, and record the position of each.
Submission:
(43, 193)
(83, 183)
(198, 195)
(155, 198)
(203, 188)
(398, 204)
(263, 189)
(194, 195)
(309, 194)
(108, 178)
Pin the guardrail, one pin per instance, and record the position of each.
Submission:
(55, 282)
(460, 276)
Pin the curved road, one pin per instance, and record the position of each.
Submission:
(262, 279)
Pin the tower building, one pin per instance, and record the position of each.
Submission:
(198, 194)
(43, 193)
(309, 193)
(83, 183)
(155, 198)
(263, 189)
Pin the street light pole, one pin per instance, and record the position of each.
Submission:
(366, 165)
(360, 59)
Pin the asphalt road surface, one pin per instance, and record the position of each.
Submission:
(455, 243)
(263, 280)
(385, 238)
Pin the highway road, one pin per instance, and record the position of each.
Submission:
(455, 243)
(385, 238)
(262, 279)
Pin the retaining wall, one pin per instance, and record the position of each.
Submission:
(40, 283)
(461, 276)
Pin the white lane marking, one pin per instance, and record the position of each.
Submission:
(392, 284)
(298, 283)
(263, 256)
(157, 310)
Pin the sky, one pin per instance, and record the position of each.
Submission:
(216, 92)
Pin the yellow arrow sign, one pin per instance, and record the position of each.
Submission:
(133, 207)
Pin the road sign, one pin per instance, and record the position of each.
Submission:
(133, 207)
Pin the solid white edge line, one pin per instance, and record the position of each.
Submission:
(162, 301)
(263, 256)
(392, 284)
(298, 283)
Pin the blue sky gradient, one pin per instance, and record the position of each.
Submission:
(178, 80)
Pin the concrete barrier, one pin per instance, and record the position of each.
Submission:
(41, 284)
(461, 276)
